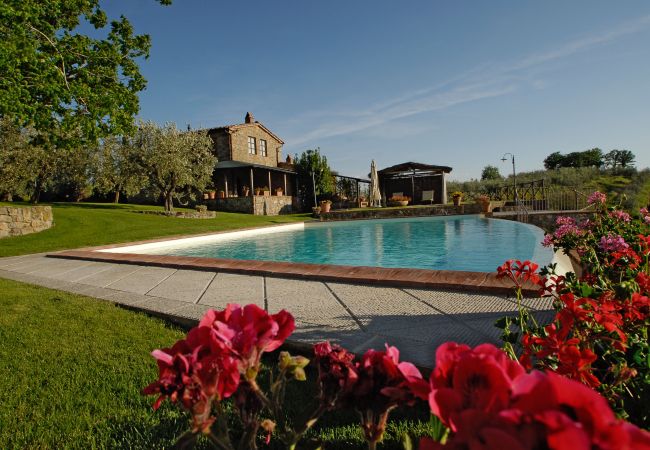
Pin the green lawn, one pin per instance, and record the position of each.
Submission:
(89, 224)
(72, 367)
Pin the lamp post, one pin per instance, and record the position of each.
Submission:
(514, 174)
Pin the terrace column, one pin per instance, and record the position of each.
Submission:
(252, 187)
(413, 186)
(443, 196)
(270, 187)
(225, 184)
(285, 185)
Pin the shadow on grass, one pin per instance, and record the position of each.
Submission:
(98, 205)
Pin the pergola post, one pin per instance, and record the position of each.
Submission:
(252, 183)
(285, 185)
(413, 186)
(443, 195)
(270, 187)
(225, 184)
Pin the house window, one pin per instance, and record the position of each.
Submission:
(252, 150)
(262, 147)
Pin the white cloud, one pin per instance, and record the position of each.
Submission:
(479, 83)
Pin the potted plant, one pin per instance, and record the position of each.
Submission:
(245, 191)
(457, 197)
(212, 195)
(258, 191)
(399, 200)
(484, 201)
(279, 191)
(325, 206)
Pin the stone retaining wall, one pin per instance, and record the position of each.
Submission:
(16, 221)
(257, 204)
(416, 211)
(545, 219)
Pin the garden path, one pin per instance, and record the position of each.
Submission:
(356, 316)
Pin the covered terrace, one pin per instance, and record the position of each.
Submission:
(424, 183)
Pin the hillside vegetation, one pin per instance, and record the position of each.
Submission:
(630, 185)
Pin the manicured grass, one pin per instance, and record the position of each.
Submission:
(72, 370)
(89, 224)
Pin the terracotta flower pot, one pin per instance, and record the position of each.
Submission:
(325, 207)
(457, 200)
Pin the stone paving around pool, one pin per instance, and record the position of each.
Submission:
(356, 316)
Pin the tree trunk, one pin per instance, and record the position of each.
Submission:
(116, 198)
(169, 203)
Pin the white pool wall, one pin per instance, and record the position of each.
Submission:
(205, 239)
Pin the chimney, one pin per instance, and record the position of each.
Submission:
(249, 118)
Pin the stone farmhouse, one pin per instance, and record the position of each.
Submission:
(250, 175)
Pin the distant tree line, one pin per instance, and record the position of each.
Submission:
(595, 157)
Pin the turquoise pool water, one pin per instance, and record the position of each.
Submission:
(471, 243)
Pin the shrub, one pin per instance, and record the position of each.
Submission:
(599, 335)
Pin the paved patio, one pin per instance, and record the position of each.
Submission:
(356, 316)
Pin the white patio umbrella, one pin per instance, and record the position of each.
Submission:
(375, 195)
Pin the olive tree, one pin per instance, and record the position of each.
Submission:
(119, 167)
(176, 161)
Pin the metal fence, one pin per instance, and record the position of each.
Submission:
(538, 196)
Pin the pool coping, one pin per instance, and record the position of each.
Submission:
(483, 282)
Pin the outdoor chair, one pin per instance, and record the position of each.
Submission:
(427, 196)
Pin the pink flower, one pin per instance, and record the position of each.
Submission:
(620, 215)
(248, 332)
(596, 198)
(565, 220)
(548, 240)
(613, 243)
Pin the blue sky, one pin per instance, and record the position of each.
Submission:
(450, 83)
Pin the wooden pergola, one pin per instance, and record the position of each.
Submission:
(412, 179)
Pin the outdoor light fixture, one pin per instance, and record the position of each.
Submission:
(514, 174)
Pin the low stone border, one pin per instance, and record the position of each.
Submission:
(20, 220)
(406, 211)
(181, 214)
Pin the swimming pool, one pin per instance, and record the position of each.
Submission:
(468, 243)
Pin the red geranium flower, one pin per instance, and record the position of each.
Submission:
(644, 282)
(519, 272)
(470, 379)
(195, 372)
(248, 332)
(336, 373)
(572, 415)
(384, 383)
